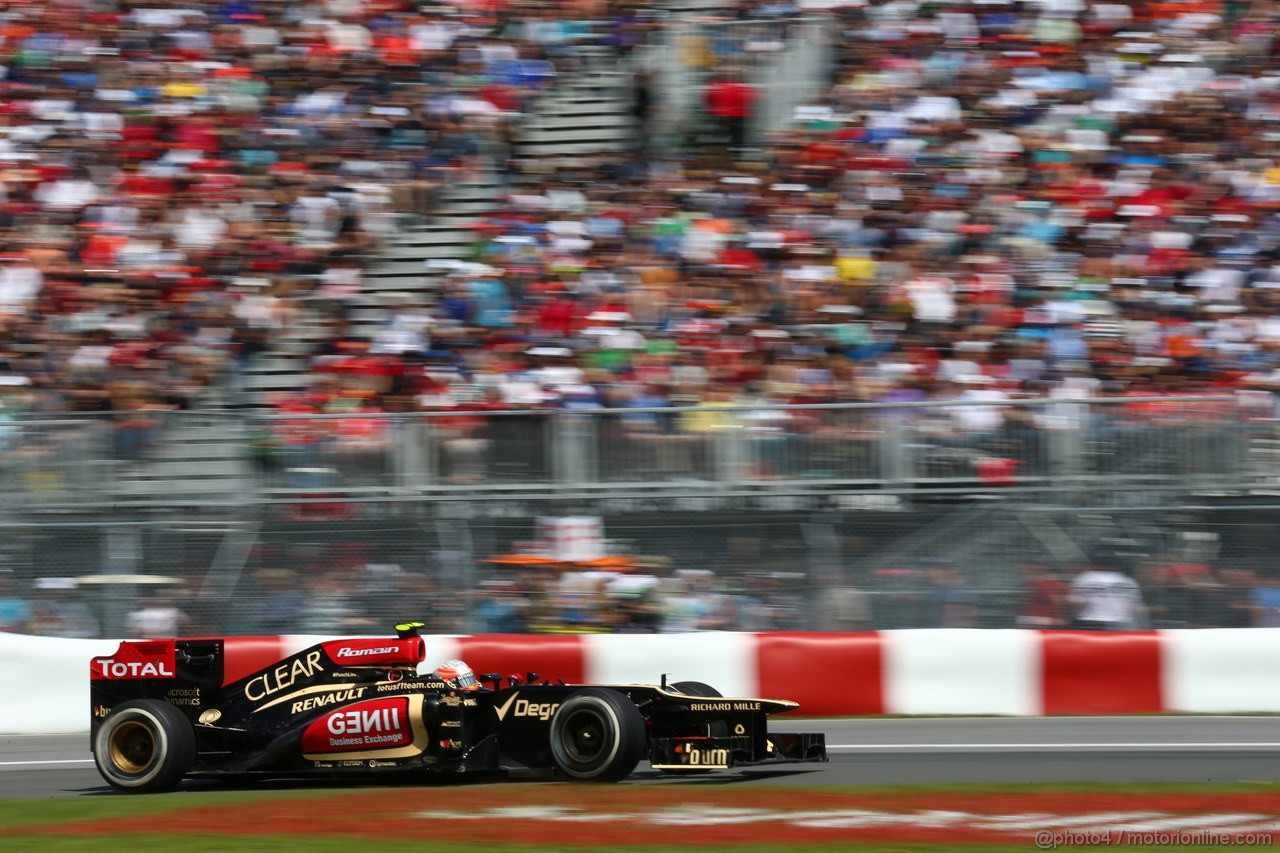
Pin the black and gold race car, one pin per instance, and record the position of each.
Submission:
(164, 709)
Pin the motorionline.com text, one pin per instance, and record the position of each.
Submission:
(1046, 840)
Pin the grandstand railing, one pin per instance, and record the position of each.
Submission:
(1158, 443)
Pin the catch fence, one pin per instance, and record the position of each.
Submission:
(1060, 450)
(473, 567)
(746, 517)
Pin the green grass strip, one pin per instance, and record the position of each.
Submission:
(63, 810)
(288, 844)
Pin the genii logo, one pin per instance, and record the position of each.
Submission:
(518, 707)
(376, 724)
(132, 660)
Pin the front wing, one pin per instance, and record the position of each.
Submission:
(687, 754)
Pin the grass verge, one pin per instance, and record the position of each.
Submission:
(289, 844)
(643, 818)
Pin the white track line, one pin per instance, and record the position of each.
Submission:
(899, 747)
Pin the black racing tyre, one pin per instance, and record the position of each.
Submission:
(144, 746)
(597, 735)
(695, 688)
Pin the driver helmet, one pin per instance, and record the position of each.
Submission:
(457, 674)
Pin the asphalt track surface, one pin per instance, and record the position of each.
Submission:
(863, 752)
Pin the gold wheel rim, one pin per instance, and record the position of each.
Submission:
(132, 747)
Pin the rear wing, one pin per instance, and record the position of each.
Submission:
(207, 672)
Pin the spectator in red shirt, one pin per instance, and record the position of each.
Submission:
(731, 102)
(1044, 598)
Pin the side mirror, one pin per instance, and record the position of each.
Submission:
(531, 677)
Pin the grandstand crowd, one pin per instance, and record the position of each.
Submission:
(991, 199)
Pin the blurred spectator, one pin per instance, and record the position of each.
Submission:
(637, 605)
(330, 608)
(499, 609)
(156, 616)
(1265, 602)
(1106, 598)
(15, 612)
(642, 108)
(1235, 600)
(1184, 593)
(955, 604)
(1044, 598)
(57, 611)
(841, 606)
(772, 603)
(279, 602)
(690, 602)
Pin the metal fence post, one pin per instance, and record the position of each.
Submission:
(730, 455)
(122, 555)
(403, 453)
(573, 448)
(424, 465)
(1066, 453)
(896, 444)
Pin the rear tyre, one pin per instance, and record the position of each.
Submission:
(144, 746)
(696, 688)
(597, 735)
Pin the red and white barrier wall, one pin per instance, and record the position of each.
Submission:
(924, 672)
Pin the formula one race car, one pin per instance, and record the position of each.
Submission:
(162, 709)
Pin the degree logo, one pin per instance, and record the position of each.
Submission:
(525, 708)
(501, 710)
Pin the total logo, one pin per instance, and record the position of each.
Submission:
(147, 659)
(134, 669)
(525, 708)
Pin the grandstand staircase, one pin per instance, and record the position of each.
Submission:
(200, 459)
(203, 459)
(397, 277)
(587, 113)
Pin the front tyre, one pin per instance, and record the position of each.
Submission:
(597, 735)
(144, 746)
(696, 688)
